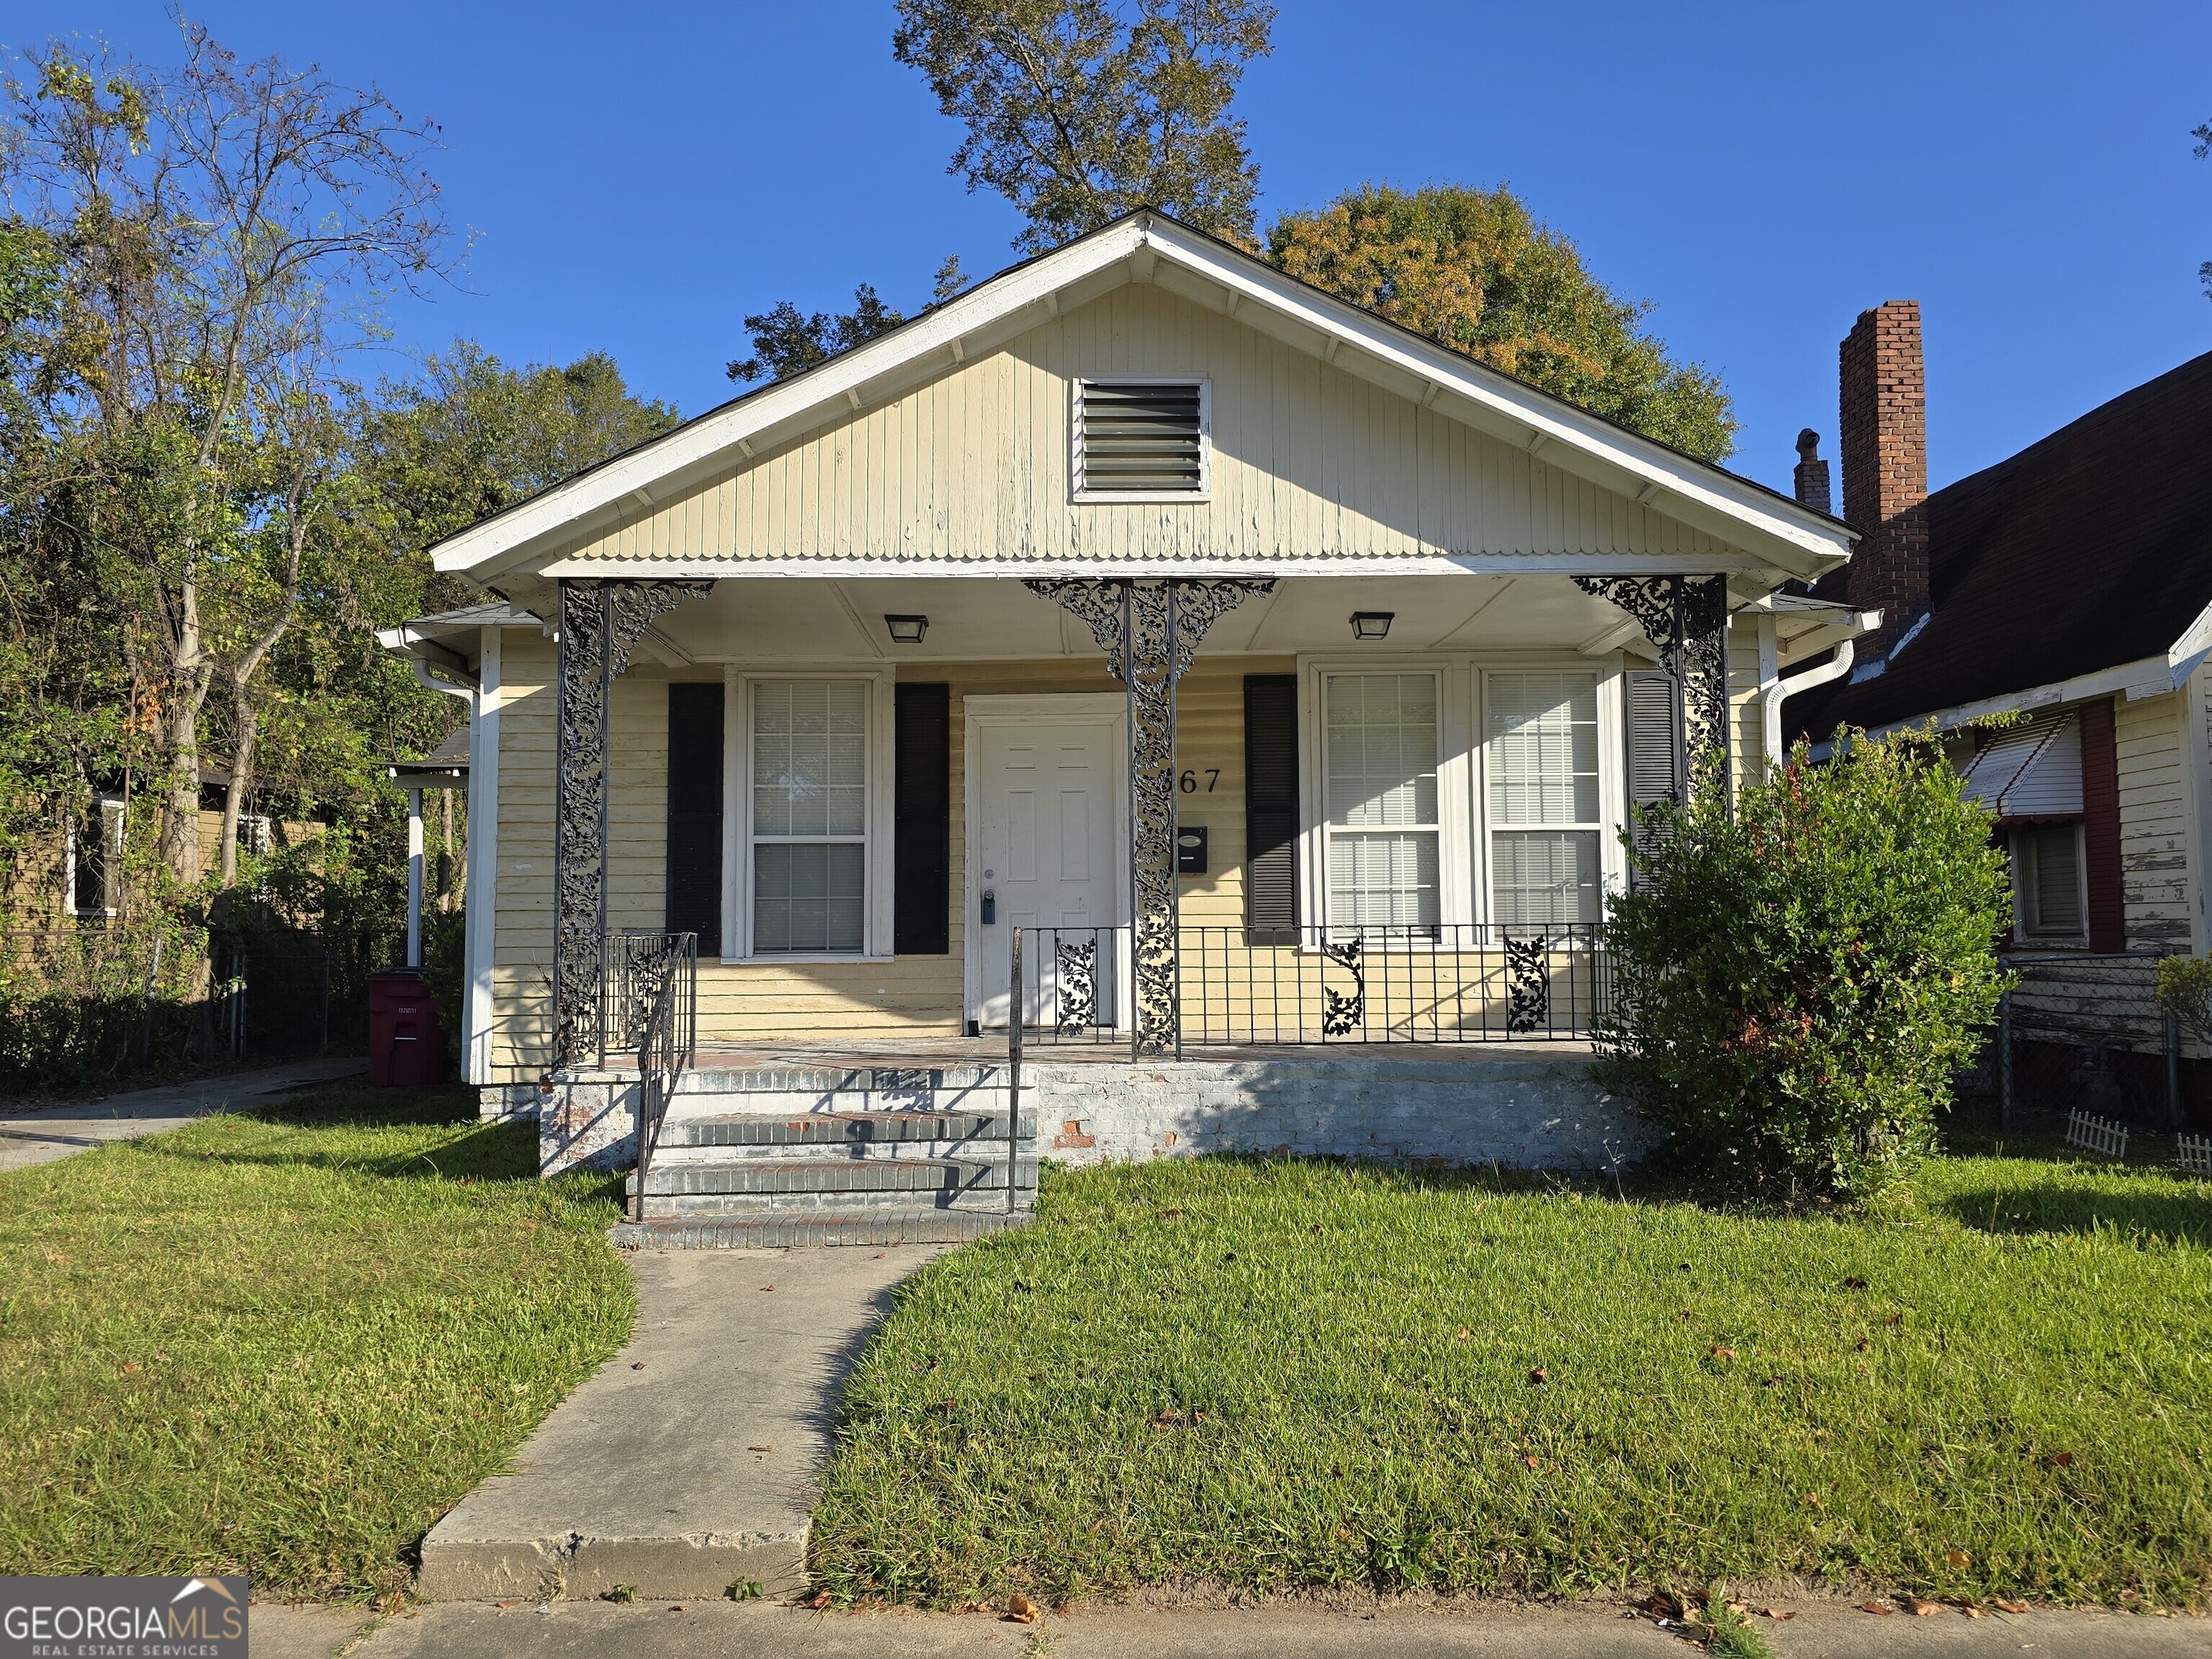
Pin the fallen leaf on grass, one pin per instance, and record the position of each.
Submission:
(1855, 1283)
(1169, 1215)
(1663, 1606)
(1972, 1612)
(1876, 1607)
(1863, 1344)
(1723, 1353)
(1023, 1611)
(1465, 1334)
(2003, 1605)
(1958, 1558)
(1920, 1607)
(1539, 1375)
(2060, 1460)
(1530, 1462)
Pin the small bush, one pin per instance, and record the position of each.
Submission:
(1796, 986)
(2185, 990)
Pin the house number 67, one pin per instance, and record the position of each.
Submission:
(1189, 782)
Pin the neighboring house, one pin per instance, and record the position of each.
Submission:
(77, 872)
(833, 678)
(2071, 583)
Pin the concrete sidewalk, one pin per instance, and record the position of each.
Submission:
(41, 1135)
(1822, 1629)
(691, 1461)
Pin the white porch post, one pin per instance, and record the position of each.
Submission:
(413, 878)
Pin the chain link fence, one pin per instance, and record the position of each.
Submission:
(2084, 1032)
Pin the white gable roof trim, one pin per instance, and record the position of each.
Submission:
(1147, 246)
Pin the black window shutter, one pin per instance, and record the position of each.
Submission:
(1654, 717)
(695, 813)
(1271, 807)
(922, 847)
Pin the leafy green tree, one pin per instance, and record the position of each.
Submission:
(222, 228)
(787, 340)
(1795, 982)
(1079, 111)
(1474, 270)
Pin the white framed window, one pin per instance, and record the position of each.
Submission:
(1546, 823)
(1382, 823)
(2049, 900)
(811, 780)
(91, 853)
(1141, 439)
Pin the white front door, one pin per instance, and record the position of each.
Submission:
(1046, 856)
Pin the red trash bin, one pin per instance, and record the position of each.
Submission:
(406, 1046)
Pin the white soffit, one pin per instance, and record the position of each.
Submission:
(2031, 771)
(1207, 272)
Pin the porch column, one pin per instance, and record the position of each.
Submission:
(1686, 619)
(598, 623)
(1149, 630)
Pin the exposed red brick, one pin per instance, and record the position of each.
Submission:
(1883, 437)
(2100, 827)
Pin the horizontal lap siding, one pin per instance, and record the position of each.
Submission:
(1747, 706)
(1307, 460)
(2154, 842)
(764, 1001)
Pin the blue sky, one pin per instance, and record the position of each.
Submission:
(641, 176)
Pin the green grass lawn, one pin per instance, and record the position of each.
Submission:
(284, 1343)
(1277, 1374)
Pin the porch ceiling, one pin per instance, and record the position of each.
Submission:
(799, 619)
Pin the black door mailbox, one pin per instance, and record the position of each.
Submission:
(1190, 850)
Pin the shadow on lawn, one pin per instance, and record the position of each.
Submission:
(2146, 1203)
(350, 1129)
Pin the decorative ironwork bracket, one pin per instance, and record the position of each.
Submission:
(1685, 618)
(1150, 630)
(599, 622)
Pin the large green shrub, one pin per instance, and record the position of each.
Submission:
(1796, 984)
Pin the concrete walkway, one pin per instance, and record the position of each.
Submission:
(41, 1135)
(691, 1461)
(1821, 1630)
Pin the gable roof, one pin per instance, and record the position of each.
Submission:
(2088, 550)
(1148, 247)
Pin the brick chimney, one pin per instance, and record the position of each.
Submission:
(1883, 438)
(1812, 475)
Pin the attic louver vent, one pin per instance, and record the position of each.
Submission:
(1140, 438)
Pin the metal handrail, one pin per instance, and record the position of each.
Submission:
(1294, 986)
(656, 976)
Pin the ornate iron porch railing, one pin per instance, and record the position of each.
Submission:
(1241, 987)
(649, 1004)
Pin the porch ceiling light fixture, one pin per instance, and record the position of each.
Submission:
(1372, 625)
(907, 630)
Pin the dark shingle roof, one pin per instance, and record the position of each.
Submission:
(2089, 549)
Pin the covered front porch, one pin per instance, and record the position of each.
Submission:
(1337, 845)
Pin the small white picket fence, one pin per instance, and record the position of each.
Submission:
(2194, 1154)
(2096, 1135)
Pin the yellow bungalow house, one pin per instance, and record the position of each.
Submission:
(1269, 682)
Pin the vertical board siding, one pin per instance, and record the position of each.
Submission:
(2155, 877)
(1307, 460)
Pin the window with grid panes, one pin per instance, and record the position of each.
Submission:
(1379, 821)
(1544, 826)
(809, 816)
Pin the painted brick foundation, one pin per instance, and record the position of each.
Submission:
(1523, 1112)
